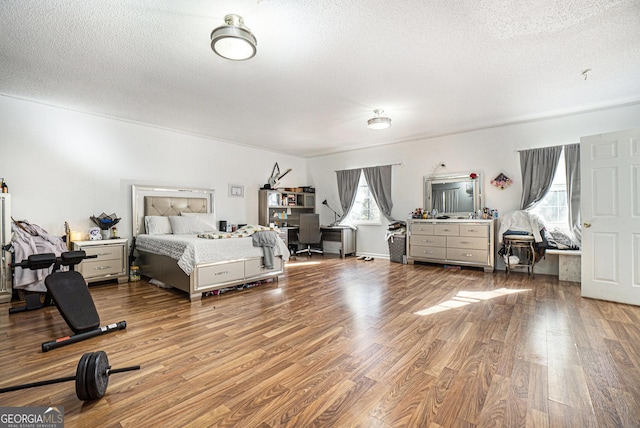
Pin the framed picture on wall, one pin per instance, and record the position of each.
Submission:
(236, 190)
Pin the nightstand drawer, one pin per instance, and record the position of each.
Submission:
(106, 252)
(94, 268)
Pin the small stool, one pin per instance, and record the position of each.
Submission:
(523, 246)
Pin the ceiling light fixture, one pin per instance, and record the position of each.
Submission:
(379, 121)
(233, 40)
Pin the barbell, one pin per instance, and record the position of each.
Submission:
(92, 377)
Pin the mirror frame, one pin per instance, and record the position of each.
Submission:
(478, 195)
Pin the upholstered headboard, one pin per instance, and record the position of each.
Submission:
(167, 201)
(167, 205)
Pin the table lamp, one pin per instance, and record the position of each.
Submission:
(336, 215)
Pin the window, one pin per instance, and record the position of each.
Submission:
(365, 209)
(553, 208)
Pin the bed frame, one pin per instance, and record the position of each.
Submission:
(168, 201)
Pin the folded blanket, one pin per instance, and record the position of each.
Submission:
(243, 232)
(263, 236)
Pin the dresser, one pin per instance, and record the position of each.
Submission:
(459, 242)
(110, 263)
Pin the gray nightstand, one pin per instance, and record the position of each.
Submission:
(111, 262)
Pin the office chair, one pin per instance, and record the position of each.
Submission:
(309, 234)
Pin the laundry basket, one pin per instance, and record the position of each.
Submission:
(397, 248)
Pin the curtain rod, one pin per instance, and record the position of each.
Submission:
(389, 164)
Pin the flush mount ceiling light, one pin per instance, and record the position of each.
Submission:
(233, 40)
(379, 121)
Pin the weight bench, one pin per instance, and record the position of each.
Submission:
(68, 291)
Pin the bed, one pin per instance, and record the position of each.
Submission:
(186, 259)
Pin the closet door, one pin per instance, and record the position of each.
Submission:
(610, 211)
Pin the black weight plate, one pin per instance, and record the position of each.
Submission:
(81, 377)
(97, 377)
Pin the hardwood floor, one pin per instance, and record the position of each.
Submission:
(340, 343)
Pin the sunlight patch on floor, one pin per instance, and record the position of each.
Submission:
(464, 298)
(296, 264)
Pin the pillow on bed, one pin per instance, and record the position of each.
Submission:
(157, 225)
(207, 218)
(185, 225)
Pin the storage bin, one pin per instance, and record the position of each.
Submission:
(397, 248)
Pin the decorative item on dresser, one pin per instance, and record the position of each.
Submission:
(454, 241)
(111, 261)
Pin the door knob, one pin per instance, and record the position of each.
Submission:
(587, 224)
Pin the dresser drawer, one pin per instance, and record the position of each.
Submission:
(421, 229)
(255, 267)
(479, 230)
(429, 240)
(220, 273)
(97, 268)
(105, 252)
(467, 255)
(467, 242)
(427, 252)
(446, 229)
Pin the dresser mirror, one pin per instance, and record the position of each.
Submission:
(454, 196)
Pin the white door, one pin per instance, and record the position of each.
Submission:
(610, 211)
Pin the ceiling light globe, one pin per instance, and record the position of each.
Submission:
(234, 41)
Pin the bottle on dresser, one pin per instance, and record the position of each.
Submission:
(5, 188)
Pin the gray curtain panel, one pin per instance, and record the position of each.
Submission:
(379, 181)
(538, 166)
(347, 188)
(572, 165)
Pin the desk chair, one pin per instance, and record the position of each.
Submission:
(309, 234)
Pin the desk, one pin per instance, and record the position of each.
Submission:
(289, 235)
(344, 237)
(342, 240)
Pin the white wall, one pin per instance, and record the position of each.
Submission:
(62, 166)
(489, 151)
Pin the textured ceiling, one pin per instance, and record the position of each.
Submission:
(436, 67)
